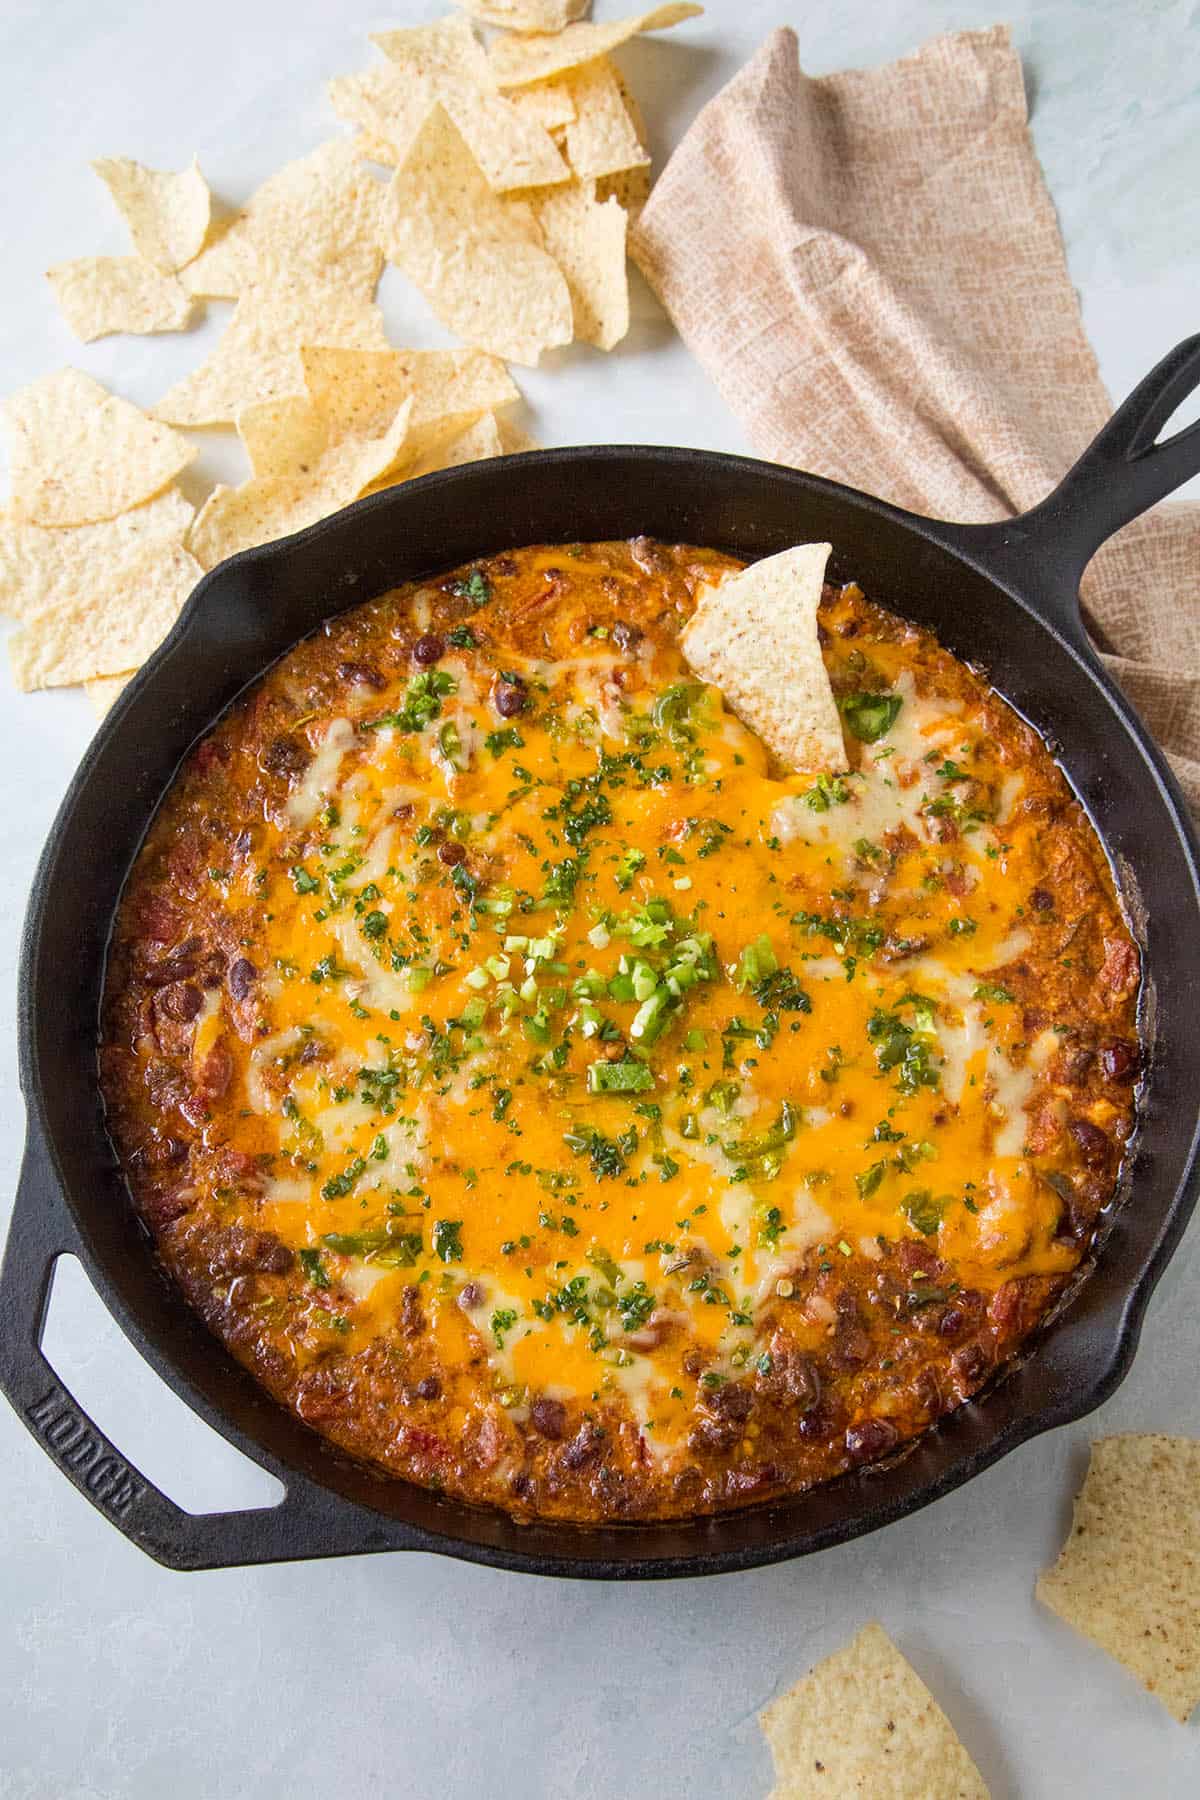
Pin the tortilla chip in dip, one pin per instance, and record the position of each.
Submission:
(1128, 1576)
(863, 1724)
(755, 637)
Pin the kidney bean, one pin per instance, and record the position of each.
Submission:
(242, 976)
(451, 854)
(626, 636)
(428, 649)
(870, 1440)
(508, 699)
(1093, 1145)
(429, 1388)
(814, 1424)
(549, 1417)
(1041, 900)
(1119, 1060)
(181, 965)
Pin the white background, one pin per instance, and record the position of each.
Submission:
(418, 1676)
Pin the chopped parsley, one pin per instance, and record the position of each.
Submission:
(870, 716)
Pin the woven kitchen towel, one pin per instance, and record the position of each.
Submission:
(869, 267)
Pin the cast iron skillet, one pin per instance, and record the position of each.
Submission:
(1002, 595)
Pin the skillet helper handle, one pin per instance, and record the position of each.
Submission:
(307, 1522)
(1042, 553)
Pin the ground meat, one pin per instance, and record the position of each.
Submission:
(791, 1378)
(585, 1447)
(240, 1251)
(549, 1417)
(285, 757)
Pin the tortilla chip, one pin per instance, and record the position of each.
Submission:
(375, 149)
(863, 1723)
(587, 241)
(273, 506)
(102, 294)
(167, 214)
(361, 389)
(78, 453)
(1128, 1576)
(630, 189)
(478, 438)
(549, 104)
(755, 637)
(257, 357)
(518, 60)
(526, 15)
(514, 441)
(630, 186)
(478, 441)
(318, 218)
(447, 47)
(475, 255)
(105, 690)
(445, 62)
(42, 567)
(602, 139)
(108, 627)
(295, 436)
(287, 436)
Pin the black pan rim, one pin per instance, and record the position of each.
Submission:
(957, 541)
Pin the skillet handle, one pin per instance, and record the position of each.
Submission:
(1041, 554)
(309, 1521)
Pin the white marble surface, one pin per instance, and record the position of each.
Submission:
(419, 1676)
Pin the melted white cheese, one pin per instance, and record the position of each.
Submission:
(321, 777)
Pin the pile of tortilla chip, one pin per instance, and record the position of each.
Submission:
(514, 169)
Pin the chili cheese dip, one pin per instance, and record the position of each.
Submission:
(558, 1105)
